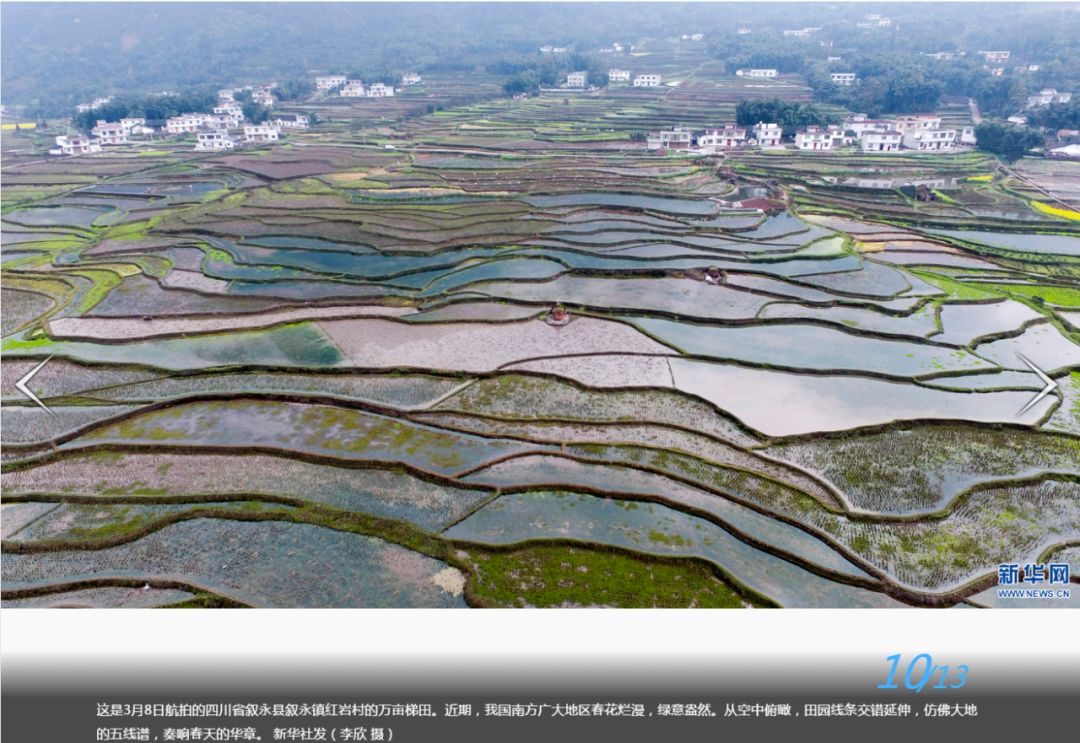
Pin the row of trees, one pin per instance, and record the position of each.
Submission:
(148, 107)
(1057, 115)
(788, 114)
(193, 101)
(296, 89)
(1011, 142)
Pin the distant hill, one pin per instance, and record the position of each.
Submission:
(57, 54)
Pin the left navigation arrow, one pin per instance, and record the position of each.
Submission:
(21, 385)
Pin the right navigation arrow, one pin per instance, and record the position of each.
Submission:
(1051, 385)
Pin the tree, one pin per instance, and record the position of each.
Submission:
(523, 82)
(294, 90)
(1011, 142)
(255, 112)
(1057, 116)
(788, 114)
(150, 107)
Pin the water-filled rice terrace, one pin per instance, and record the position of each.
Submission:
(325, 374)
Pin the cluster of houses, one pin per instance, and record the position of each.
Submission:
(580, 79)
(712, 140)
(357, 89)
(223, 129)
(213, 133)
(94, 105)
(920, 133)
(1047, 96)
(994, 61)
(805, 31)
(347, 88)
(838, 78)
(105, 133)
(874, 20)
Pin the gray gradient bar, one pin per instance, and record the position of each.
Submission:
(1001, 675)
(60, 700)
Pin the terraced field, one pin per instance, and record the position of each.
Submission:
(330, 373)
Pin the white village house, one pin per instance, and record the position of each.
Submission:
(111, 133)
(352, 89)
(926, 140)
(74, 144)
(232, 114)
(411, 78)
(291, 121)
(615, 75)
(328, 82)
(93, 105)
(380, 90)
(137, 126)
(860, 124)
(185, 123)
(578, 79)
(881, 140)
(222, 121)
(814, 138)
(757, 73)
(917, 123)
(647, 81)
(677, 138)
(1000, 56)
(261, 133)
(263, 97)
(729, 137)
(767, 134)
(1047, 96)
(216, 140)
(843, 78)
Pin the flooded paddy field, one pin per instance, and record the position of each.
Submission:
(517, 359)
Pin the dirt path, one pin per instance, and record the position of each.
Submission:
(976, 114)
